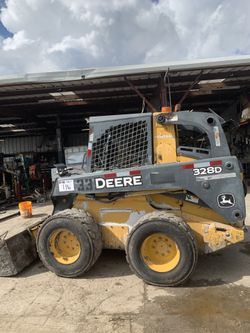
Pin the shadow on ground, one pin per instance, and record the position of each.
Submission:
(112, 263)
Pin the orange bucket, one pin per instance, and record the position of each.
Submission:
(25, 208)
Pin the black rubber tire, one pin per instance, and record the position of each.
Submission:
(178, 231)
(88, 233)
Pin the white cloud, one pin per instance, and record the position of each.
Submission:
(18, 41)
(62, 34)
(85, 43)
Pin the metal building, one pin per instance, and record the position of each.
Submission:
(43, 113)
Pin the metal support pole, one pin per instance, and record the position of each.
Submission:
(59, 141)
(163, 91)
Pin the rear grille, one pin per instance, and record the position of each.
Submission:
(121, 146)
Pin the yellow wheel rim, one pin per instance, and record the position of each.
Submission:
(160, 253)
(64, 246)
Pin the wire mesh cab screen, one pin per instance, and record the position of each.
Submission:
(120, 142)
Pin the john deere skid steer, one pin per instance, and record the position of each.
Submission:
(162, 186)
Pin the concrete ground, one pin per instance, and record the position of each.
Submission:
(111, 299)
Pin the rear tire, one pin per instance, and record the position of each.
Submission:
(161, 249)
(69, 243)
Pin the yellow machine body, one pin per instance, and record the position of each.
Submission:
(117, 218)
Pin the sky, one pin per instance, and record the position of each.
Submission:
(3, 31)
(51, 35)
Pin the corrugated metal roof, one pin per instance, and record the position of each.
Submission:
(176, 66)
(189, 66)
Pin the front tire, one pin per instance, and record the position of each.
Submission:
(69, 243)
(161, 249)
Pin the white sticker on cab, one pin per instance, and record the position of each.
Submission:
(66, 185)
